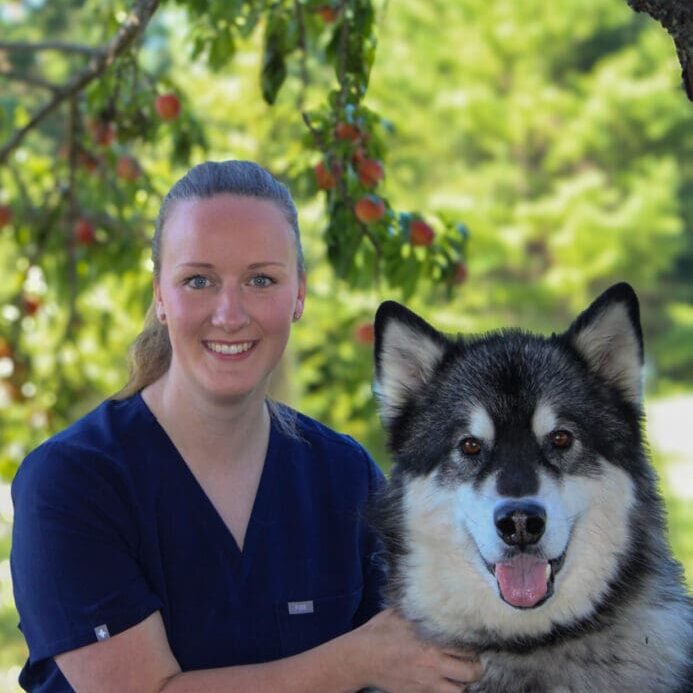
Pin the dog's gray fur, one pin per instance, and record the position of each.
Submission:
(614, 616)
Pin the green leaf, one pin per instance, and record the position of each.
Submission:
(274, 57)
(221, 49)
(343, 238)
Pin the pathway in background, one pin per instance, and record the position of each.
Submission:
(670, 432)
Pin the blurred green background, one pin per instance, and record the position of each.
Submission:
(560, 136)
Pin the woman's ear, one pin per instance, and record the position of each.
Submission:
(300, 298)
(159, 304)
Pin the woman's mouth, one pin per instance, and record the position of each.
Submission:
(228, 348)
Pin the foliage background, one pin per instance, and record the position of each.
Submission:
(560, 137)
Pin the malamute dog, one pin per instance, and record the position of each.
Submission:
(522, 517)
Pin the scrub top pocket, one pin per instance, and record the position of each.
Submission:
(304, 624)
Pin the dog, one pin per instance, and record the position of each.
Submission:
(522, 517)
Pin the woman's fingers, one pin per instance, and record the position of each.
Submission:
(458, 669)
(464, 668)
(400, 660)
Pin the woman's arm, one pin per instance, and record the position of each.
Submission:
(384, 653)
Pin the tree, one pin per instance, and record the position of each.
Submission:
(105, 98)
(113, 94)
(565, 143)
(96, 121)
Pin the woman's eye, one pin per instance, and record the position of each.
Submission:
(561, 439)
(470, 446)
(261, 281)
(197, 282)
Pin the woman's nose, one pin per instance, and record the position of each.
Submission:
(229, 312)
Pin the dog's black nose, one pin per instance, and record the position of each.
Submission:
(520, 523)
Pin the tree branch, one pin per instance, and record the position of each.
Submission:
(29, 79)
(133, 26)
(48, 46)
(342, 58)
(676, 16)
(303, 47)
(71, 217)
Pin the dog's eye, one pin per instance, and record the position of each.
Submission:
(471, 446)
(561, 439)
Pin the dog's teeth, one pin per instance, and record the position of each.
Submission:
(548, 571)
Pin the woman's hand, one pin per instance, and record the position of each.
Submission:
(397, 660)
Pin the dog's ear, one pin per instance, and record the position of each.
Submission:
(407, 350)
(609, 337)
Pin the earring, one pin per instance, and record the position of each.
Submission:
(298, 310)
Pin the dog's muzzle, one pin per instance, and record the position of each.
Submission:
(525, 579)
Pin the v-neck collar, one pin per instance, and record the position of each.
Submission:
(260, 514)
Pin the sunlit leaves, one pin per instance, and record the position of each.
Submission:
(561, 146)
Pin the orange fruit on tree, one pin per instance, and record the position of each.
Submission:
(364, 333)
(420, 233)
(370, 172)
(84, 232)
(128, 168)
(369, 209)
(326, 178)
(5, 215)
(347, 131)
(167, 106)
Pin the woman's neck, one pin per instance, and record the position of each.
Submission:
(203, 428)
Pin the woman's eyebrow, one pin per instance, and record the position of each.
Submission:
(257, 265)
(252, 266)
(195, 264)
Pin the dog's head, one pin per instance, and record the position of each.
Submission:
(518, 461)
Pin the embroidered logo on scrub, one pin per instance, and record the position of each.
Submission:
(102, 632)
(296, 608)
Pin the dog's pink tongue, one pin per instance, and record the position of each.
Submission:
(522, 581)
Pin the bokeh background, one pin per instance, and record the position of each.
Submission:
(558, 134)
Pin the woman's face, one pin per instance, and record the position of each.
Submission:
(228, 289)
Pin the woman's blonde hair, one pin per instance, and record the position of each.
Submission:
(150, 354)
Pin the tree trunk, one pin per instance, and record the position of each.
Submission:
(676, 16)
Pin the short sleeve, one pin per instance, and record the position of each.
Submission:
(75, 543)
(374, 568)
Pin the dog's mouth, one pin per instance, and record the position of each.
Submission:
(526, 581)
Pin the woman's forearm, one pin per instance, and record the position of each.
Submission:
(334, 667)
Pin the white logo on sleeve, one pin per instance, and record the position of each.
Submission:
(296, 608)
(102, 632)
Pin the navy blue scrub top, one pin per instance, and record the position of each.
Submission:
(110, 525)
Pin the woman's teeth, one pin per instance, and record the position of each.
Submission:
(229, 348)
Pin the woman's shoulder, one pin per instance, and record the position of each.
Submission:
(312, 438)
(308, 430)
(105, 427)
(94, 444)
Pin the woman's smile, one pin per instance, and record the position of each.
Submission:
(229, 348)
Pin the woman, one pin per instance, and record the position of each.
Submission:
(187, 535)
